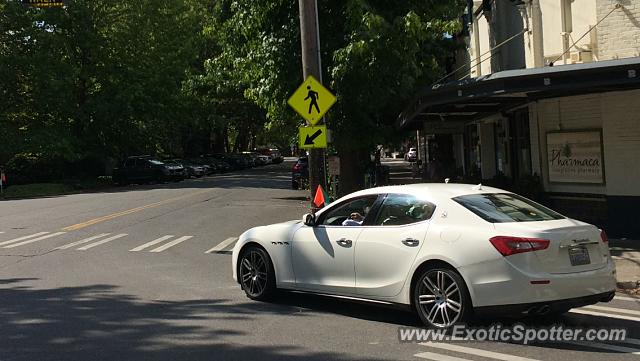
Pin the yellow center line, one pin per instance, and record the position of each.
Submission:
(128, 211)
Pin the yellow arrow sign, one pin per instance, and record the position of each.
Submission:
(313, 137)
(311, 100)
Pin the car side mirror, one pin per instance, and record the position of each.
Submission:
(309, 219)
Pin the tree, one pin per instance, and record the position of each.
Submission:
(375, 55)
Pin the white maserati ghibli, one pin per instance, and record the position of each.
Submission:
(446, 250)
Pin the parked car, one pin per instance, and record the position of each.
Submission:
(274, 153)
(447, 250)
(177, 172)
(191, 168)
(300, 173)
(144, 169)
(265, 159)
(411, 155)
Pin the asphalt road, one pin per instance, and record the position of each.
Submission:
(125, 275)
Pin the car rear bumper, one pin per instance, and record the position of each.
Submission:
(542, 308)
(500, 283)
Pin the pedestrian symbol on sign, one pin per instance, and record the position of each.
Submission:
(314, 99)
(311, 100)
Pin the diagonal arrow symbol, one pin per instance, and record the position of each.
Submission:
(309, 140)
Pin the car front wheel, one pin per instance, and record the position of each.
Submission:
(441, 298)
(256, 274)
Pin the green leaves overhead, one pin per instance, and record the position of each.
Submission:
(108, 78)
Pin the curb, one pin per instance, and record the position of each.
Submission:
(628, 285)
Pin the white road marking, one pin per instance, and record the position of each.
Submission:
(171, 244)
(222, 245)
(613, 309)
(476, 352)
(84, 248)
(623, 298)
(86, 240)
(149, 244)
(439, 357)
(606, 346)
(602, 314)
(34, 240)
(631, 341)
(22, 238)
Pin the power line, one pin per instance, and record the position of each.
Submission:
(617, 6)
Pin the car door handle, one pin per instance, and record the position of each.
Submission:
(410, 242)
(344, 242)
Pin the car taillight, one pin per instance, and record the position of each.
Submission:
(512, 245)
(603, 236)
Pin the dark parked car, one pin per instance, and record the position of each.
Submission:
(144, 169)
(300, 173)
(191, 169)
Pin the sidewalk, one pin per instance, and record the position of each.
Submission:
(626, 255)
(400, 171)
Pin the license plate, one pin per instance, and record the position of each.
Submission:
(579, 256)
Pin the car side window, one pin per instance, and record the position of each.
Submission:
(341, 213)
(401, 209)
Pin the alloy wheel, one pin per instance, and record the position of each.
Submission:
(253, 273)
(440, 298)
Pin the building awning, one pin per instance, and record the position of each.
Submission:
(476, 98)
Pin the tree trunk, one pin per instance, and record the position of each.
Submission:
(353, 164)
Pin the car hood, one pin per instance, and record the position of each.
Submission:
(282, 230)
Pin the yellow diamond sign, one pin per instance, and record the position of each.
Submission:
(313, 137)
(311, 100)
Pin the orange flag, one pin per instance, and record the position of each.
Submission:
(319, 198)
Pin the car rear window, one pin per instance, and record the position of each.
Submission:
(506, 207)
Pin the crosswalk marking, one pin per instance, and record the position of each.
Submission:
(34, 240)
(476, 352)
(613, 309)
(602, 314)
(623, 298)
(91, 245)
(83, 241)
(439, 357)
(222, 245)
(171, 244)
(22, 238)
(606, 346)
(149, 244)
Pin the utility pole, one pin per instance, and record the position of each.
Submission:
(310, 39)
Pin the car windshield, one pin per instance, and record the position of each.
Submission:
(506, 207)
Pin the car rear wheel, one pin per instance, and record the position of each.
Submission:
(441, 298)
(256, 274)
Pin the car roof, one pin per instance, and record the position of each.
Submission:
(435, 190)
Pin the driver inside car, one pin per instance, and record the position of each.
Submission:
(355, 219)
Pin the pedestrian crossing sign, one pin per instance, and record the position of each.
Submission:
(311, 100)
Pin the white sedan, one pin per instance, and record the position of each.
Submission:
(446, 250)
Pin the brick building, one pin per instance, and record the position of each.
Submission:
(547, 104)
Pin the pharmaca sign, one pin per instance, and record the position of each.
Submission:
(575, 157)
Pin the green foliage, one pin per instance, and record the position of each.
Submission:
(101, 79)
